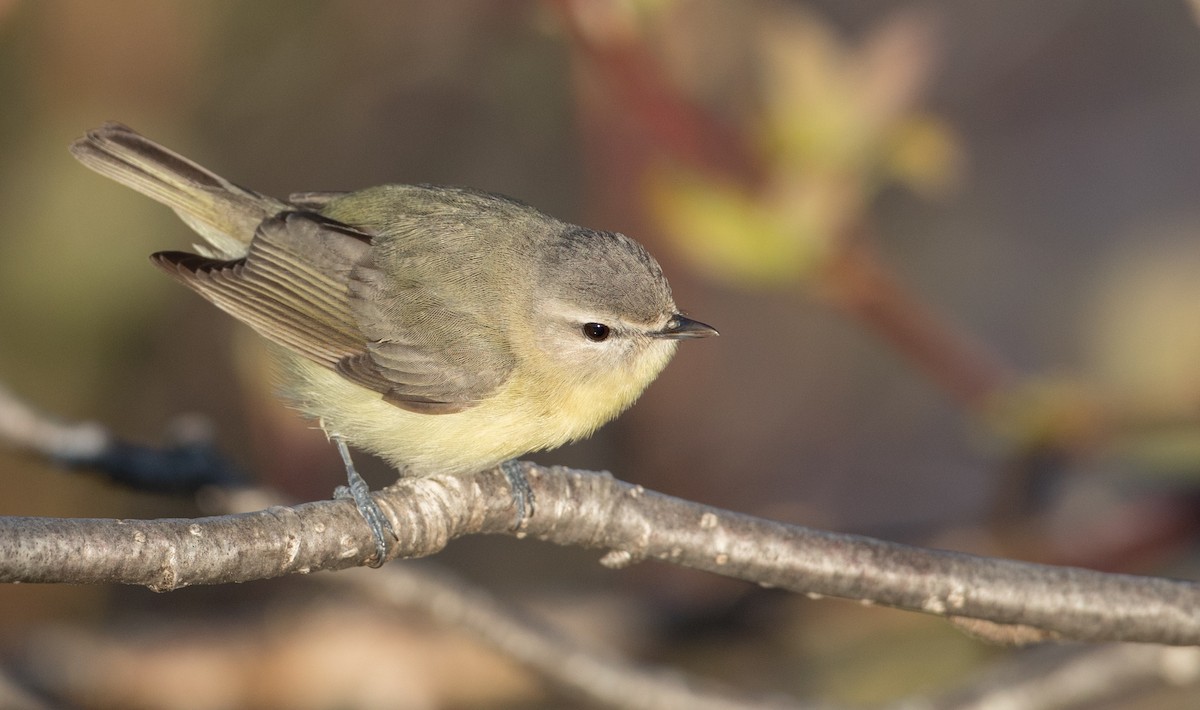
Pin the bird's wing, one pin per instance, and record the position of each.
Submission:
(300, 286)
(439, 342)
(313, 200)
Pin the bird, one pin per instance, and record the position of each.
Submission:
(447, 330)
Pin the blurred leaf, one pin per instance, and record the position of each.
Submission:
(837, 121)
(810, 118)
(729, 233)
(925, 156)
(1048, 411)
(1144, 335)
(833, 106)
(1171, 453)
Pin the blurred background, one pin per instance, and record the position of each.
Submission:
(952, 249)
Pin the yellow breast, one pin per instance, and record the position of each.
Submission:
(530, 412)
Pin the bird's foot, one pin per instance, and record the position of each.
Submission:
(358, 491)
(522, 493)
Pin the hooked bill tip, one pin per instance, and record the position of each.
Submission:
(681, 328)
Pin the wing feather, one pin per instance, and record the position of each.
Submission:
(309, 284)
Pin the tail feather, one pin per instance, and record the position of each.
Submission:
(225, 214)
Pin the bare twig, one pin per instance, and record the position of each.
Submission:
(604, 679)
(167, 554)
(577, 508)
(592, 510)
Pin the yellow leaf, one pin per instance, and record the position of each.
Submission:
(925, 156)
(727, 233)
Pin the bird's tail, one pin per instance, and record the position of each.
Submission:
(225, 214)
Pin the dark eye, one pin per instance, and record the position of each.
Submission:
(596, 332)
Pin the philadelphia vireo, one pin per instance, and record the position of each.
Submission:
(445, 329)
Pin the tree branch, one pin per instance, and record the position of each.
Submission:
(595, 510)
(585, 509)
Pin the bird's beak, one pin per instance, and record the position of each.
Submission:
(680, 328)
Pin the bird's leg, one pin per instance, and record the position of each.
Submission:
(358, 490)
(521, 492)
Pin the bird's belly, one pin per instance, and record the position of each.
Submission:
(502, 427)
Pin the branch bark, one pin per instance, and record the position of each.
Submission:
(633, 524)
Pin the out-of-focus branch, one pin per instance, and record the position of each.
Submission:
(1051, 679)
(681, 128)
(182, 467)
(15, 697)
(23, 427)
(600, 677)
(857, 283)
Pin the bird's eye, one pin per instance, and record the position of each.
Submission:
(596, 332)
